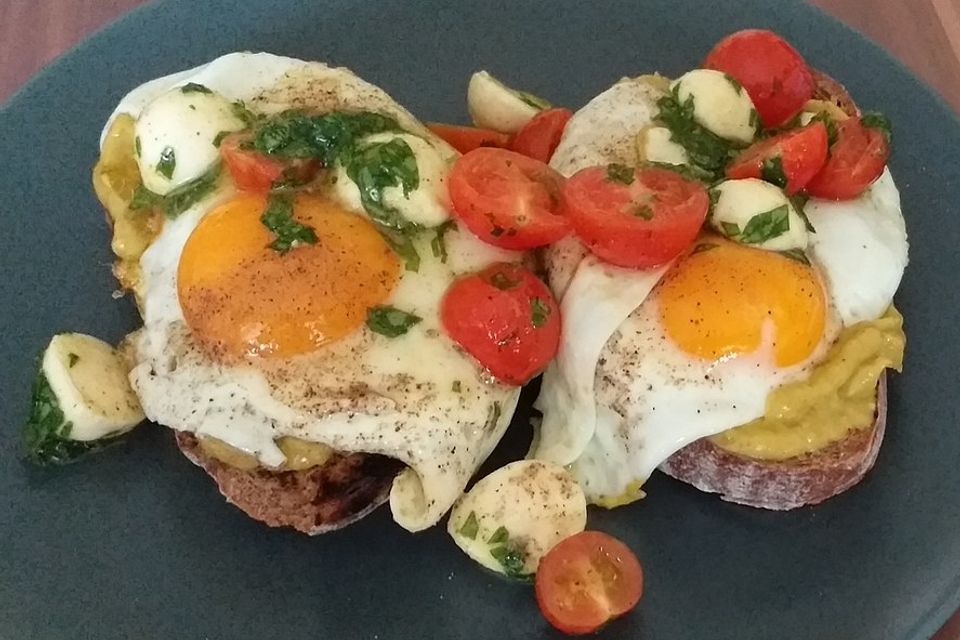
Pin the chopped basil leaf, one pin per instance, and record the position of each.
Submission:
(290, 234)
(403, 246)
(293, 134)
(439, 244)
(240, 111)
(704, 246)
(799, 203)
(218, 139)
(378, 166)
(390, 321)
(470, 527)
(688, 172)
(500, 535)
(767, 225)
(534, 101)
(46, 435)
(736, 83)
(493, 417)
(539, 313)
(643, 211)
(772, 172)
(289, 179)
(705, 149)
(178, 200)
(754, 118)
(502, 281)
(193, 87)
(512, 562)
(72, 359)
(714, 198)
(136, 145)
(831, 126)
(879, 121)
(620, 173)
(796, 254)
(731, 229)
(168, 163)
(456, 387)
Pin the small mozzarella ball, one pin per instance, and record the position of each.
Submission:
(654, 144)
(89, 379)
(751, 211)
(494, 105)
(428, 205)
(720, 104)
(175, 136)
(525, 509)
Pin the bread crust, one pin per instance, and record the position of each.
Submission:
(832, 91)
(787, 484)
(313, 501)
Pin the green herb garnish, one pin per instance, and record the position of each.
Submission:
(178, 200)
(799, 202)
(620, 173)
(831, 126)
(736, 83)
(168, 163)
(705, 149)
(136, 146)
(439, 244)
(704, 246)
(532, 100)
(772, 171)
(218, 139)
(378, 166)
(643, 211)
(456, 387)
(502, 281)
(687, 171)
(390, 321)
(193, 87)
(539, 313)
(46, 435)
(730, 229)
(470, 527)
(498, 536)
(72, 360)
(799, 255)
(493, 417)
(874, 120)
(289, 234)
(767, 225)
(242, 113)
(403, 246)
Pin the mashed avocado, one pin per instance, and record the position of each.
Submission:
(116, 177)
(300, 454)
(838, 397)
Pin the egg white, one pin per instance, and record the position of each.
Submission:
(417, 398)
(621, 398)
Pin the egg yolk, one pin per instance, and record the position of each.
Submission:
(718, 300)
(242, 298)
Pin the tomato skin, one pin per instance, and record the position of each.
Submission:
(506, 318)
(802, 152)
(507, 199)
(857, 159)
(606, 214)
(538, 139)
(774, 74)
(466, 139)
(587, 580)
(252, 171)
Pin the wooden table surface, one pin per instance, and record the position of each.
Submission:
(924, 34)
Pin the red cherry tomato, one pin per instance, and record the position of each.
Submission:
(506, 199)
(775, 76)
(796, 156)
(252, 171)
(538, 139)
(466, 139)
(857, 159)
(506, 318)
(586, 581)
(635, 218)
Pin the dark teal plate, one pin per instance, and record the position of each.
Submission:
(136, 543)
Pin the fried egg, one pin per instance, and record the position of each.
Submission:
(247, 345)
(652, 360)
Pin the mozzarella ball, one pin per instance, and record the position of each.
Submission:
(759, 214)
(720, 104)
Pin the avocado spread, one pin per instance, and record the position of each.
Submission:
(840, 396)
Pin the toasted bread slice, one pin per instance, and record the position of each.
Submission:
(787, 484)
(832, 91)
(317, 500)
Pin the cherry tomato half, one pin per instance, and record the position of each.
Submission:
(857, 159)
(635, 218)
(794, 157)
(538, 139)
(252, 171)
(775, 76)
(466, 139)
(506, 318)
(506, 199)
(586, 581)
